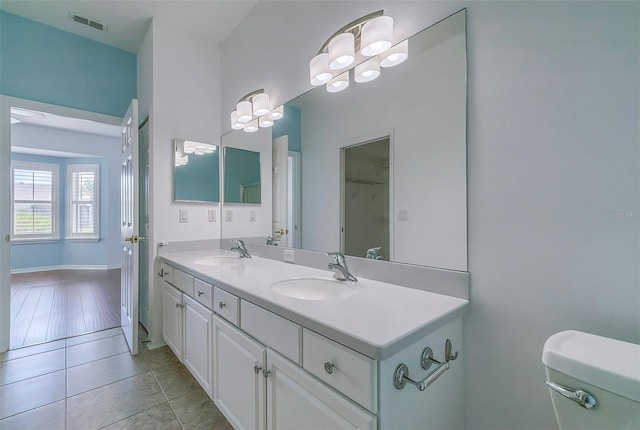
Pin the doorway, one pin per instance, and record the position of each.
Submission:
(64, 218)
(365, 205)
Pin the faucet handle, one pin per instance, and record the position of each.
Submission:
(338, 257)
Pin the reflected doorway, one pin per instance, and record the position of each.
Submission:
(366, 181)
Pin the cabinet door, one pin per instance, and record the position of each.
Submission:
(172, 319)
(296, 400)
(197, 341)
(238, 380)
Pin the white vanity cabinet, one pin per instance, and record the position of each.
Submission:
(296, 400)
(187, 328)
(238, 377)
(290, 399)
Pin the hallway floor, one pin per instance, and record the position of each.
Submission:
(47, 306)
(92, 382)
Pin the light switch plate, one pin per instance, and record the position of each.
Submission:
(403, 215)
(184, 215)
(289, 255)
(228, 215)
(211, 215)
(252, 216)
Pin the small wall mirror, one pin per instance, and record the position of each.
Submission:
(241, 176)
(197, 172)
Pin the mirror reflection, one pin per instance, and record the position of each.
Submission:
(379, 170)
(197, 171)
(241, 176)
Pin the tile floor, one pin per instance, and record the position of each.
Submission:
(92, 382)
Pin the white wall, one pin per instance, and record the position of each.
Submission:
(179, 84)
(553, 168)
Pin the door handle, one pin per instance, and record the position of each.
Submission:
(134, 239)
(281, 231)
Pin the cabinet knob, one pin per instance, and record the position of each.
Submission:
(257, 369)
(222, 305)
(328, 367)
(200, 293)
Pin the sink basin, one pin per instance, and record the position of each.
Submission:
(217, 259)
(314, 288)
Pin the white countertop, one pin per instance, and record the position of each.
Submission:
(378, 321)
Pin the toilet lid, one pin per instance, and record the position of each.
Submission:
(610, 364)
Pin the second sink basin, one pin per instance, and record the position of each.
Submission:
(314, 288)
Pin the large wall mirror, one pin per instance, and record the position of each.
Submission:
(241, 176)
(197, 172)
(379, 170)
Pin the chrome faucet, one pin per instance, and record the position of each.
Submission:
(240, 248)
(339, 266)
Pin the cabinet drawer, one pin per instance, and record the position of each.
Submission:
(203, 292)
(226, 305)
(348, 371)
(272, 330)
(183, 281)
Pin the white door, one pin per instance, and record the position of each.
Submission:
(280, 160)
(129, 228)
(238, 380)
(296, 400)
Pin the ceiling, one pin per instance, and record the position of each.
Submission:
(45, 119)
(127, 20)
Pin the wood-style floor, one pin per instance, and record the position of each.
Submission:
(47, 306)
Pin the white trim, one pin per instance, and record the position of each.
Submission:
(71, 169)
(63, 267)
(55, 200)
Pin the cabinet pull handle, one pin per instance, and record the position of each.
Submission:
(200, 293)
(257, 369)
(179, 306)
(161, 273)
(222, 305)
(265, 373)
(328, 367)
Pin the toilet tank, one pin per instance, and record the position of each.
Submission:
(607, 369)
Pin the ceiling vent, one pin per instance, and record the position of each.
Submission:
(90, 22)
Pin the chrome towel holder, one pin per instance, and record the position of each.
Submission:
(401, 374)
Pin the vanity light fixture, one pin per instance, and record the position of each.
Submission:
(253, 111)
(197, 148)
(373, 35)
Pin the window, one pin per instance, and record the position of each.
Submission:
(82, 192)
(35, 194)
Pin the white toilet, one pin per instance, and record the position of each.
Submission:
(594, 381)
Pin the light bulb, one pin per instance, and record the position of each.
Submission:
(339, 83)
(319, 71)
(341, 51)
(260, 104)
(367, 71)
(245, 112)
(376, 36)
(251, 127)
(235, 124)
(396, 55)
(265, 121)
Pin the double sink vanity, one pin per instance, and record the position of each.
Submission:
(378, 172)
(278, 345)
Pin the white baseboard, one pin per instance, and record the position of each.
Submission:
(63, 267)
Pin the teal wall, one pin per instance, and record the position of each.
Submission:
(42, 63)
(241, 167)
(290, 125)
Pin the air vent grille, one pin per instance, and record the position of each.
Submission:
(90, 22)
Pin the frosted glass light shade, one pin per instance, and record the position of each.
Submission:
(376, 36)
(235, 124)
(339, 83)
(245, 112)
(396, 55)
(260, 104)
(277, 113)
(251, 127)
(367, 71)
(319, 71)
(265, 121)
(341, 51)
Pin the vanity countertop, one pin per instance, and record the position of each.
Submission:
(378, 321)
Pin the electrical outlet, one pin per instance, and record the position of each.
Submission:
(184, 215)
(211, 214)
(228, 215)
(403, 215)
(252, 216)
(289, 255)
